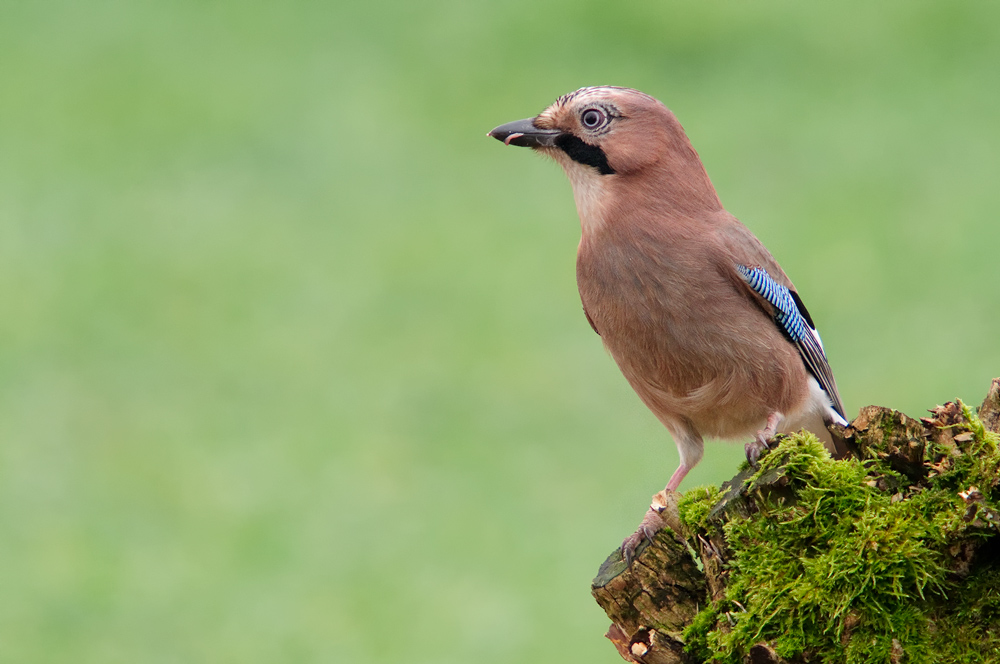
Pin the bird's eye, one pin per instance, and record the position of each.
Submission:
(593, 118)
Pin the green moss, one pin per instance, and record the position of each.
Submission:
(845, 561)
(698, 635)
(695, 506)
(978, 465)
(968, 632)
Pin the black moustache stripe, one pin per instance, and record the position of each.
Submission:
(585, 153)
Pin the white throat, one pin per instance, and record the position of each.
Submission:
(589, 192)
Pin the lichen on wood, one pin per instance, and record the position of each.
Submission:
(889, 556)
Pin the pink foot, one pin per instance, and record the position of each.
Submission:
(651, 524)
(755, 448)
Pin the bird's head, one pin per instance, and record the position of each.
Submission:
(612, 130)
(601, 134)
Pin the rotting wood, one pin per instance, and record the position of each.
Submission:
(651, 604)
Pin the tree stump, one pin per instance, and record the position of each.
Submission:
(890, 556)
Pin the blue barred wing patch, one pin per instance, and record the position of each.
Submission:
(788, 316)
(791, 317)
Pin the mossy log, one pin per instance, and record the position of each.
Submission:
(890, 556)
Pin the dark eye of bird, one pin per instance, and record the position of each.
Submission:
(592, 118)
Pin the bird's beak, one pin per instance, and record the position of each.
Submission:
(525, 134)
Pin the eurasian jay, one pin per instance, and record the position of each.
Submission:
(699, 317)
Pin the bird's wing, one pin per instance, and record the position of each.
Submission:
(591, 321)
(792, 318)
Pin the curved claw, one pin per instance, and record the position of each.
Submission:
(630, 544)
(651, 524)
(754, 449)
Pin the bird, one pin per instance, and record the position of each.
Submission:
(701, 320)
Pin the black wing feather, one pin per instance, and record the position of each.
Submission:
(792, 318)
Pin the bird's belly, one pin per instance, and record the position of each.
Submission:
(722, 381)
(697, 351)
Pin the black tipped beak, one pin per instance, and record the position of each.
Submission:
(525, 134)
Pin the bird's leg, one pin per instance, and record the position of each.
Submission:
(652, 522)
(760, 442)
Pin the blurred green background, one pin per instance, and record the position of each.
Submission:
(292, 364)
